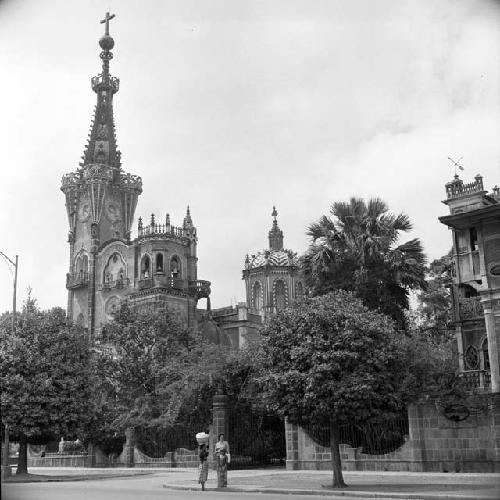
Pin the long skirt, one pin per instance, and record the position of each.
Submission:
(222, 471)
(203, 472)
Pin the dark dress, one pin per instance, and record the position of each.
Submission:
(203, 467)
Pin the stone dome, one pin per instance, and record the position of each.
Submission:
(283, 258)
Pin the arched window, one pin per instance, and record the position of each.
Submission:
(145, 267)
(257, 296)
(279, 295)
(299, 291)
(82, 264)
(175, 267)
(159, 263)
(485, 361)
(114, 270)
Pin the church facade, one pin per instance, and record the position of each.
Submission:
(156, 269)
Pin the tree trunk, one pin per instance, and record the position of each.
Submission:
(338, 479)
(22, 463)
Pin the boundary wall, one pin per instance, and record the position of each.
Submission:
(434, 443)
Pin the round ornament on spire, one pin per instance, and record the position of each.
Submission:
(106, 42)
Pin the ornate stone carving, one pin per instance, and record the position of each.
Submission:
(84, 211)
(471, 358)
(470, 308)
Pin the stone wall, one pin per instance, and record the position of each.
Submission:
(57, 460)
(178, 458)
(434, 444)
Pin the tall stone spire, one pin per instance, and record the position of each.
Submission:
(100, 197)
(276, 234)
(101, 147)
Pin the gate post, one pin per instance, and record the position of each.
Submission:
(220, 420)
(292, 445)
(128, 448)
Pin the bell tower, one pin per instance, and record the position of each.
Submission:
(100, 197)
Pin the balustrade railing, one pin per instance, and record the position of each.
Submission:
(77, 280)
(160, 230)
(476, 379)
(457, 187)
(119, 283)
(144, 283)
(200, 287)
(470, 308)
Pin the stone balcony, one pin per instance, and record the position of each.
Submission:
(77, 280)
(198, 288)
(114, 284)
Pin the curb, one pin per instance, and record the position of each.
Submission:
(336, 493)
(71, 478)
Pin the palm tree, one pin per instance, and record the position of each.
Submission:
(356, 249)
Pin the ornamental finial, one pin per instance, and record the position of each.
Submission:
(105, 21)
(275, 212)
(106, 42)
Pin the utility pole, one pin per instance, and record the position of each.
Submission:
(6, 470)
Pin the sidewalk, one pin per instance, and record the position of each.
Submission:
(395, 485)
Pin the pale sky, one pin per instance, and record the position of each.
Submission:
(233, 106)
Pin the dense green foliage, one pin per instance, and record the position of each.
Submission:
(434, 311)
(45, 368)
(330, 356)
(329, 361)
(159, 375)
(356, 250)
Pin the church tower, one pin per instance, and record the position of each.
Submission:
(272, 279)
(100, 197)
(157, 269)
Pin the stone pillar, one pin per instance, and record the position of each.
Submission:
(418, 453)
(128, 447)
(460, 346)
(91, 455)
(242, 330)
(220, 419)
(292, 445)
(493, 343)
(94, 231)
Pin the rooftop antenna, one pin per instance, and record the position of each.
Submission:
(456, 164)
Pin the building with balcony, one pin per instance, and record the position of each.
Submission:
(158, 268)
(474, 221)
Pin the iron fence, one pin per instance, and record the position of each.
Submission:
(374, 439)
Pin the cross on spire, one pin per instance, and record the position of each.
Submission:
(106, 20)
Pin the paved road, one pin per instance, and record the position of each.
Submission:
(134, 488)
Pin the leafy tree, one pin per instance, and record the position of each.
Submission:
(434, 310)
(356, 250)
(431, 368)
(158, 369)
(330, 361)
(44, 372)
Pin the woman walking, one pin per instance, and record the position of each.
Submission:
(203, 467)
(223, 458)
